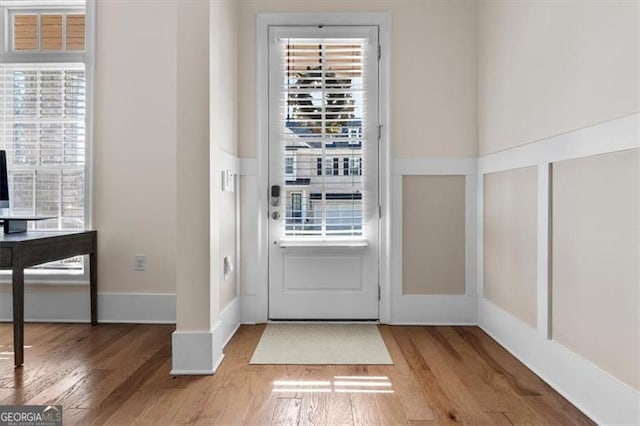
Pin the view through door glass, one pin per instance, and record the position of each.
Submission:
(322, 116)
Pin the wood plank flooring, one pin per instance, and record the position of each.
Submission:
(119, 374)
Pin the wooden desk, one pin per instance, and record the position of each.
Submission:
(27, 249)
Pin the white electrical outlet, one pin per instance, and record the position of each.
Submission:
(140, 263)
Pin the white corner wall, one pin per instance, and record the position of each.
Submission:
(208, 307)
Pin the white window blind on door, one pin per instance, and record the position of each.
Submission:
(321, 116)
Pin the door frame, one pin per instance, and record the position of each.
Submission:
(263, 22)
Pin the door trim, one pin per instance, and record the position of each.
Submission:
(263, 22)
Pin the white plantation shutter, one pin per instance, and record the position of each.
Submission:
(322, 117)
(42, 123)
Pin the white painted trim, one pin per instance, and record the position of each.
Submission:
(201, 352)
(228, 324)
(247, 309)
(226, 161)
(65, 306)
(480, 236)
(600, 396)
(470, 234)
(193, 353)
(90, 72)
(39, 3)
(261, 208)
(544, 258)
(263, 21)
(248, 166)
(433, 310)
(396, 238)
(250, 225)
(266, 19)
(385, 196)
(610, 136)
(434, 166)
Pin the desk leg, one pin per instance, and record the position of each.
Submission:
(93, 284)
(18, 315)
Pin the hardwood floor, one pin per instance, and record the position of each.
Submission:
(119, 374)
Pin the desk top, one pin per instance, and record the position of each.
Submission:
(36, 235)
(26, 217)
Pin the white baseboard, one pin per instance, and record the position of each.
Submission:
(201, 352)
(65, 306)
(194, 353)
(600, 396)
(433, 310)
(228, 324)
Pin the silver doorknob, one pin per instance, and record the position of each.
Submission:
(275, 215)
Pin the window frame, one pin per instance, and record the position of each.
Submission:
(9, 56)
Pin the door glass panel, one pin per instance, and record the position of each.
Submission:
(322, 114)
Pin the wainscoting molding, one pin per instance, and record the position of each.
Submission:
(433, 309)
(601, 396)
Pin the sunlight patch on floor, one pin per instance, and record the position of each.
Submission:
(339, 384)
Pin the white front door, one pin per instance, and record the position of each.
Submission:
(323, 172)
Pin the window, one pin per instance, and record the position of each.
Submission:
(328, 167)
(43, 30)
(356, 166)
(336, 166)
(288, 166)
(345, 166)
(296, 207)
(43, 114)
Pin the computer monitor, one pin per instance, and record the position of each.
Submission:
(4, 181)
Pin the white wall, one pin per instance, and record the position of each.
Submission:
(134, 149)
(193, 280)
(546, 68)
